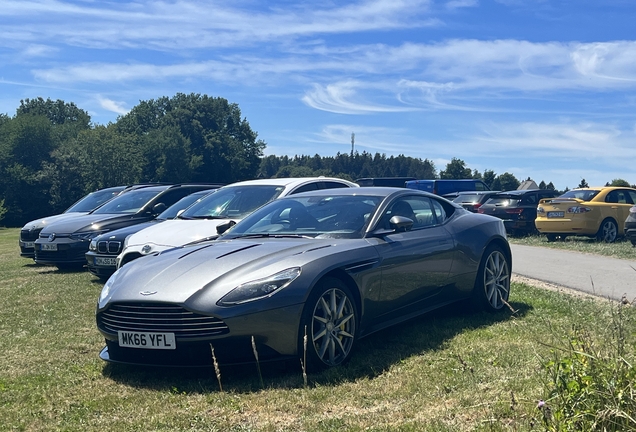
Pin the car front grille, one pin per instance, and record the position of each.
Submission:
(109, 247)
(158, 317)
(29, 235)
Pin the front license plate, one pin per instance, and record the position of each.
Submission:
(108, 262)
(48, 246)
(145, 340)
(28, 245)
(555, 214)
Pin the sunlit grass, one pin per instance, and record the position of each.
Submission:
(447, 371)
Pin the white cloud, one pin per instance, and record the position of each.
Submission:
(113, 106)
(341, 98)
(457, 4)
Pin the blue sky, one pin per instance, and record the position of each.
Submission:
(539, 88)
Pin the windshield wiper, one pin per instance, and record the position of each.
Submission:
(268, 235)
(204, 217)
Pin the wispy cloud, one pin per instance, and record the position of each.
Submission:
(113, 106)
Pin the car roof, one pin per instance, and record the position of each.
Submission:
(288, 182)
(379, 191)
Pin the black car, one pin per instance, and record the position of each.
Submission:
(517, 208)
(31, 230)
(472, 200)
(103, 249)
(65, 243)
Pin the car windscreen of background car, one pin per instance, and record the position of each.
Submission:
(92, 201)
(503, 200)
(585, 195)
(185, 202)
(467, 198)
(130, 202)
(232, 202)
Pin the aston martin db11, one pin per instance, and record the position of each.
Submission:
(305, 277)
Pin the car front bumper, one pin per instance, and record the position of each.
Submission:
(275, 334)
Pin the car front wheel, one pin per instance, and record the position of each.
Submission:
(608, 231)
(330, 320)
(492, 287)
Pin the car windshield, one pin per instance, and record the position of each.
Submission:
(503, 200)
(314, 216)
(93, 200)
(130, 202)
(185, 202)
(467, 198)
(232, 202)
(582, 194)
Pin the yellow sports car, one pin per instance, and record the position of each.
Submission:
(595, 212)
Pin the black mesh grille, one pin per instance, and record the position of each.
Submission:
(157, 317)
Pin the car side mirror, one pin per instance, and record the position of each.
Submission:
(158, 208)
(221, 228)
(401, 223)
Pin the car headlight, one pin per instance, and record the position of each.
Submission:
(107, 290)
(93, 246)
(260, 288)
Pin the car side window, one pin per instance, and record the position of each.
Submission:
(419, 209)
(632, 195)
(624, 197)
(305, 188)
(612, 197)
(333, 185)
(440, 211)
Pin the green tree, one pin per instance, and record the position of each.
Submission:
(489, 178)
(456, 169)
(506, 182)
(217, 145)
(620, 182)
(583, 184)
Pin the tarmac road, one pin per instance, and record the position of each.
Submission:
(593, 274)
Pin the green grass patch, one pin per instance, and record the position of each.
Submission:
(446, 371)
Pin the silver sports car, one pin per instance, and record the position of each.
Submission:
(305, 277)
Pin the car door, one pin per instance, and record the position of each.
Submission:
(620, 201)
(416, 263)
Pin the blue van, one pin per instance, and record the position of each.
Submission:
(445, 187)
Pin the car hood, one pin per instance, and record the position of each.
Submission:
(202, 274)
(176, 232)
(88, 222)
(41, 223)
(121, 233)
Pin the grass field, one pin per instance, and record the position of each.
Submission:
(622, 248)
(448, 371)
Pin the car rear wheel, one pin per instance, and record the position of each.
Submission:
(492, 287)
(330, 321)
(608, 231)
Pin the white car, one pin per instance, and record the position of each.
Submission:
(229, 203)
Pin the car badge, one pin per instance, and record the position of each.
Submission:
(146, 249)
(147, 293)
(52, 237)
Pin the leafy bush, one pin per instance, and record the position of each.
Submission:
(3, 210)
(591, 379)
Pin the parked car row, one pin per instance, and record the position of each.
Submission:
(600, 212)
(289, 267)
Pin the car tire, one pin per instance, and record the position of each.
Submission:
(552, 237)
(608, 231)
(492, 287)
(330, 323)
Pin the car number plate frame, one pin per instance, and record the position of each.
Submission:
(106, 261)
(28, 245)
(48, 247)
(556, 214)
(146, 340)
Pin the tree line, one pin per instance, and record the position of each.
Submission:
(51, 154)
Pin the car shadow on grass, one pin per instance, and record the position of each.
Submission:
(373, 355)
